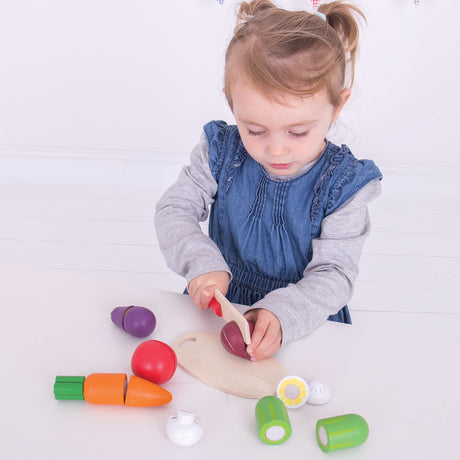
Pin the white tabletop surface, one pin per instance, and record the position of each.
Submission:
(399, 371)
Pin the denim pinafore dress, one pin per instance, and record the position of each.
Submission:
(264, 227)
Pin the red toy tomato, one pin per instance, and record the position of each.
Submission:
(155, 361)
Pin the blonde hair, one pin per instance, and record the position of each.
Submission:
(294, 52)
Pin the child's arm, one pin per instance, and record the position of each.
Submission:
(327, 282)
(187, 250)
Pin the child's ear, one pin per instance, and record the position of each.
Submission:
(344, 95)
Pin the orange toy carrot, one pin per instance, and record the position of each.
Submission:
(105, 388)
(111, 389)
(143, 393)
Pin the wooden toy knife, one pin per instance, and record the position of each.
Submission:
(222, 307)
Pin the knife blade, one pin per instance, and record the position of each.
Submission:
(224, 308)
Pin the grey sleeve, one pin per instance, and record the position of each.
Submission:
(327, 283)
(187, 250)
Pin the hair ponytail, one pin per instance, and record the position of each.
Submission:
(247, 10)
(295, 52)
(341, 17)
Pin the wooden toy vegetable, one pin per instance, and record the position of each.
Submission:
(137, 321)
(183, 429)
(336, 433)
(155, 361)
(224, 308)
(110, 389)
(272, 420)
(232, 340)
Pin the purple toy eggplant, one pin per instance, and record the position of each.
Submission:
(137, 321)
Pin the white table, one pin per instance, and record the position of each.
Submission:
(399, 371)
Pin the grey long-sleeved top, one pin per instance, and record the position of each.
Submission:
(327, 283)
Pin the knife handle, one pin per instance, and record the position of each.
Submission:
(214, 305)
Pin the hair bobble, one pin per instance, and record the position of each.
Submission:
(246, 18)
(320, 15)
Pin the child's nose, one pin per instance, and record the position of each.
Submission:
(276, 148)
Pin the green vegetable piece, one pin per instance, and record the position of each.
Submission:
(341, 432)
(272, 420)
(69, 387)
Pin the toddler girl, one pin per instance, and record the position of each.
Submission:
(288, 209)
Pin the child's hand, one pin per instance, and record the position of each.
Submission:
(201, 289)
(267, 335)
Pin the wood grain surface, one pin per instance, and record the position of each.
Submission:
(202, 355)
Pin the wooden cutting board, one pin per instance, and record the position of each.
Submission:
(202, 355)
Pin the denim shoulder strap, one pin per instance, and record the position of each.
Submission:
(342, 177)
(221, 138)
(351, 177)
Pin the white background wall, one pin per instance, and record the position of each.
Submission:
(102, 100)
(143, 76)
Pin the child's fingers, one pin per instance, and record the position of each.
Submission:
(201, 289)
(266, 337)
(195, 294)
(269, 345)
(207, 294)
(258, 336)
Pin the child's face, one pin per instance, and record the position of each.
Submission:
(283, 137)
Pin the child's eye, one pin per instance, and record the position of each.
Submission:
(303, 134)
(255, 133)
